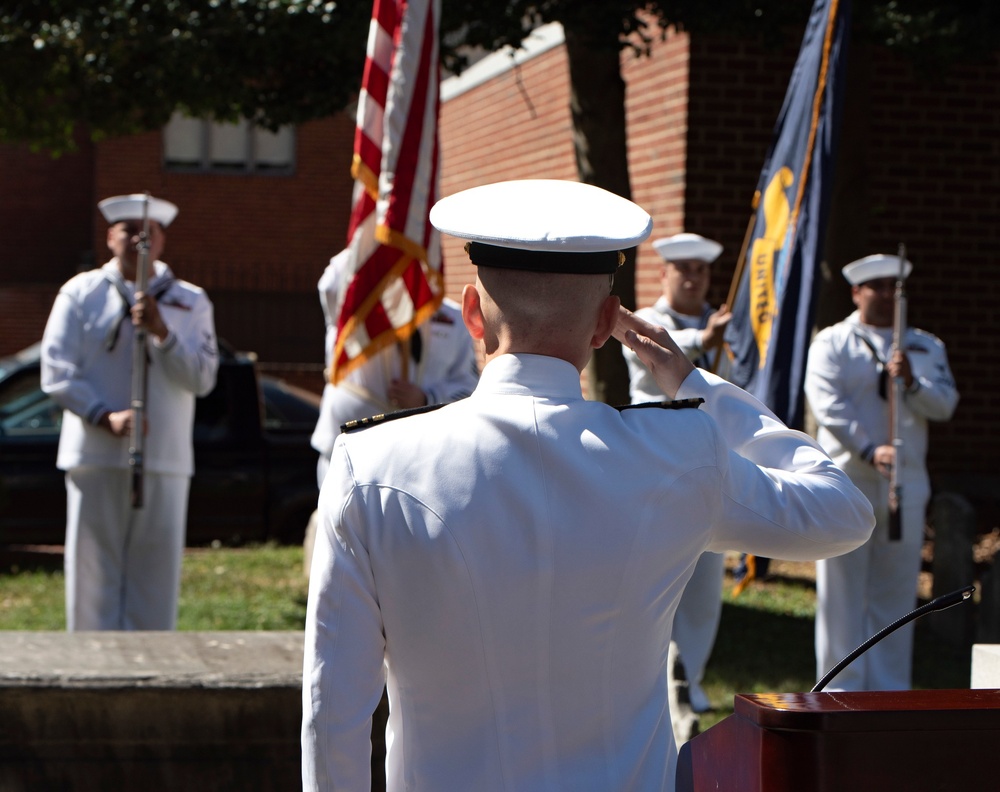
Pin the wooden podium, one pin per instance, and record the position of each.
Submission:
(913, 740)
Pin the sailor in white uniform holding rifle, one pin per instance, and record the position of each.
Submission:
(848, 385)
(123, 553)
(509, 565)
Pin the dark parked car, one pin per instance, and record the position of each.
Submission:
(255, 474)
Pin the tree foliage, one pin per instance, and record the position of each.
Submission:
(115, 67)
(932, 32)
(122, 66)
(929, 31)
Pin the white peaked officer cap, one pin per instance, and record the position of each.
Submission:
(687, 247)
(873, 267)
(130, 207)
(543, 225)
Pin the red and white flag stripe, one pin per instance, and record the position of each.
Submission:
(392, 280)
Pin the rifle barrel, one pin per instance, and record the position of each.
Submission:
(138, 400)
(897, 387)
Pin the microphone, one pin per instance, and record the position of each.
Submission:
(943, 602)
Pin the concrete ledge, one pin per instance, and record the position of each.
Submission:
(150, 711)
(985, 666)
(160, 659)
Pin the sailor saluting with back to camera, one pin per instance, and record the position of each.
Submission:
(509, 565)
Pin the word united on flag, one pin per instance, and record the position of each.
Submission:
(391, 279)
(776, 283)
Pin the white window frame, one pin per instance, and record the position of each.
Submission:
(198, 145)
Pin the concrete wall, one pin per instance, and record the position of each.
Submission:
(154, 711)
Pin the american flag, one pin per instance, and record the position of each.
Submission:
(392, 279)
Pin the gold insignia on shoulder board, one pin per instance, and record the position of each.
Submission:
(362, 423)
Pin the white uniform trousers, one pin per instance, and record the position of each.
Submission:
(123, 565)
(859, 593)
(696, 623)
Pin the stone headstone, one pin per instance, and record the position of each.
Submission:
(954, 521)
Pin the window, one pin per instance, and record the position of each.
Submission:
(193, 144)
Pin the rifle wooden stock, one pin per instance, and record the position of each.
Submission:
(138, 400)
(897, 387)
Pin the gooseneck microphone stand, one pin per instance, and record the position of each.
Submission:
(941, 603)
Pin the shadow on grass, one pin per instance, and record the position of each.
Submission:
(760, 651)
(30, 558)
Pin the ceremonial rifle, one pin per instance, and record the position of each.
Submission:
(897, 388)
(139, 360)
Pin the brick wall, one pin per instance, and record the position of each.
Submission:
(263, 233)
(257, 244)
(933, 158)
(514, 126)
(736, 93)
(918, 163)
(657, 114)
(45, 239)
(43, 204)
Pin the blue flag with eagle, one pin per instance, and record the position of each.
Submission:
(774, 307)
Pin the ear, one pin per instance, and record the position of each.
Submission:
(472, 312)
(607, 318)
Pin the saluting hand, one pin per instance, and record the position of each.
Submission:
(656, 349)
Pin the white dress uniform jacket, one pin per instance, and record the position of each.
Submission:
(861, 592)
(697, 620)
(842, 382)
(446, 372)
(510, 564)
(86, 377)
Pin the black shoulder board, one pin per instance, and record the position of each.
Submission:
(361, 423)
(675, 404)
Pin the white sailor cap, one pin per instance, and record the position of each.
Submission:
(870, 268)
(687, 247)
(543, 225)
(130, 207)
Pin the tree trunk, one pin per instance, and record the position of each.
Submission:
(600, 141)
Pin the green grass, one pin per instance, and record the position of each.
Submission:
(259, 588)
(31, 599)
(253, 588)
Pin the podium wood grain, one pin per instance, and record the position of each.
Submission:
(914, 740)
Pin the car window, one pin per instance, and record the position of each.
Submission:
(25, 409)
(285, 408)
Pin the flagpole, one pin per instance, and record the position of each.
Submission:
(765, 336)
(404, 360)
(734, 286)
